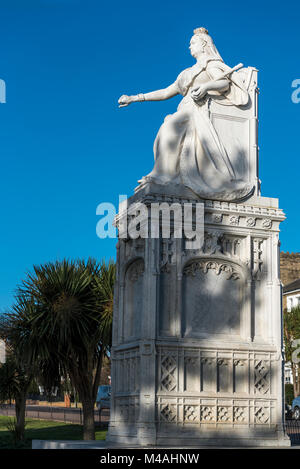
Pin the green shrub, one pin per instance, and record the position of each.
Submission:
(289, 393)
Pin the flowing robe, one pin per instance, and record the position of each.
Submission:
(188, 150)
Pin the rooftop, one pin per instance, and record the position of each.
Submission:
(295, 285)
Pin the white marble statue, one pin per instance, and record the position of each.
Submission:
(197, 333)
(187, 149)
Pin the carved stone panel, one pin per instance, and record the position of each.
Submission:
(240, 376)
(208, 375)
(224, 375)
(212, 300)
(257, 261)
(128, 371)
(262, 377)
(127, 409)
(207, 411)
(240, 414)
(168, 373)
(191, 374)
(168, 413)
(262, 415)
(167, 303)
(133, 299)
(191, 414)
(234, 132)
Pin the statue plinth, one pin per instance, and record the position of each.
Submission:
(197, 340)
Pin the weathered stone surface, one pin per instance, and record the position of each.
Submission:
(197, 333)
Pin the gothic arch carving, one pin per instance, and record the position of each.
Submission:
(214, 299)
(133, 299)
(231, 267)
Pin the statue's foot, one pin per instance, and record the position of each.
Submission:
(146, 179)
(142, 181)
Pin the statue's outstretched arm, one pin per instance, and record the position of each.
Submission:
(159, 95)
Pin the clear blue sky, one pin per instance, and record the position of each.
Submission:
(65, 145)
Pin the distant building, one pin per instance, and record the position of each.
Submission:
(2, 351)
(288, 375)
(291, 294)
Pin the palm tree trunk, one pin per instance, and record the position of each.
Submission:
(98, 375)
(20, 416)
(88, 419)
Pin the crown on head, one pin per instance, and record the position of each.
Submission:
(200, 31)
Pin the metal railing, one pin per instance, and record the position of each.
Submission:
(292, 428)
(59, 414)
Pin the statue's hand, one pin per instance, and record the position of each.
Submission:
(199, 93)
(124, 100)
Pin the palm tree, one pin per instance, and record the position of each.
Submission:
(104, 284)
(14, 384)
(70, 331)
(16, 374)
(26, 358)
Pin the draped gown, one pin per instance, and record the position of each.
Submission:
(187, 148)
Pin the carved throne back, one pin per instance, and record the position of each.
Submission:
(237, 129)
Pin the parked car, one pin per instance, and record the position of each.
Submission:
(296, 408)
(103, 397)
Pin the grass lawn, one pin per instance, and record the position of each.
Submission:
(42, 430)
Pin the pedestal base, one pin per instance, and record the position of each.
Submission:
(197, 335)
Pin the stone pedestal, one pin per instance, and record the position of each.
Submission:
(197, 334)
